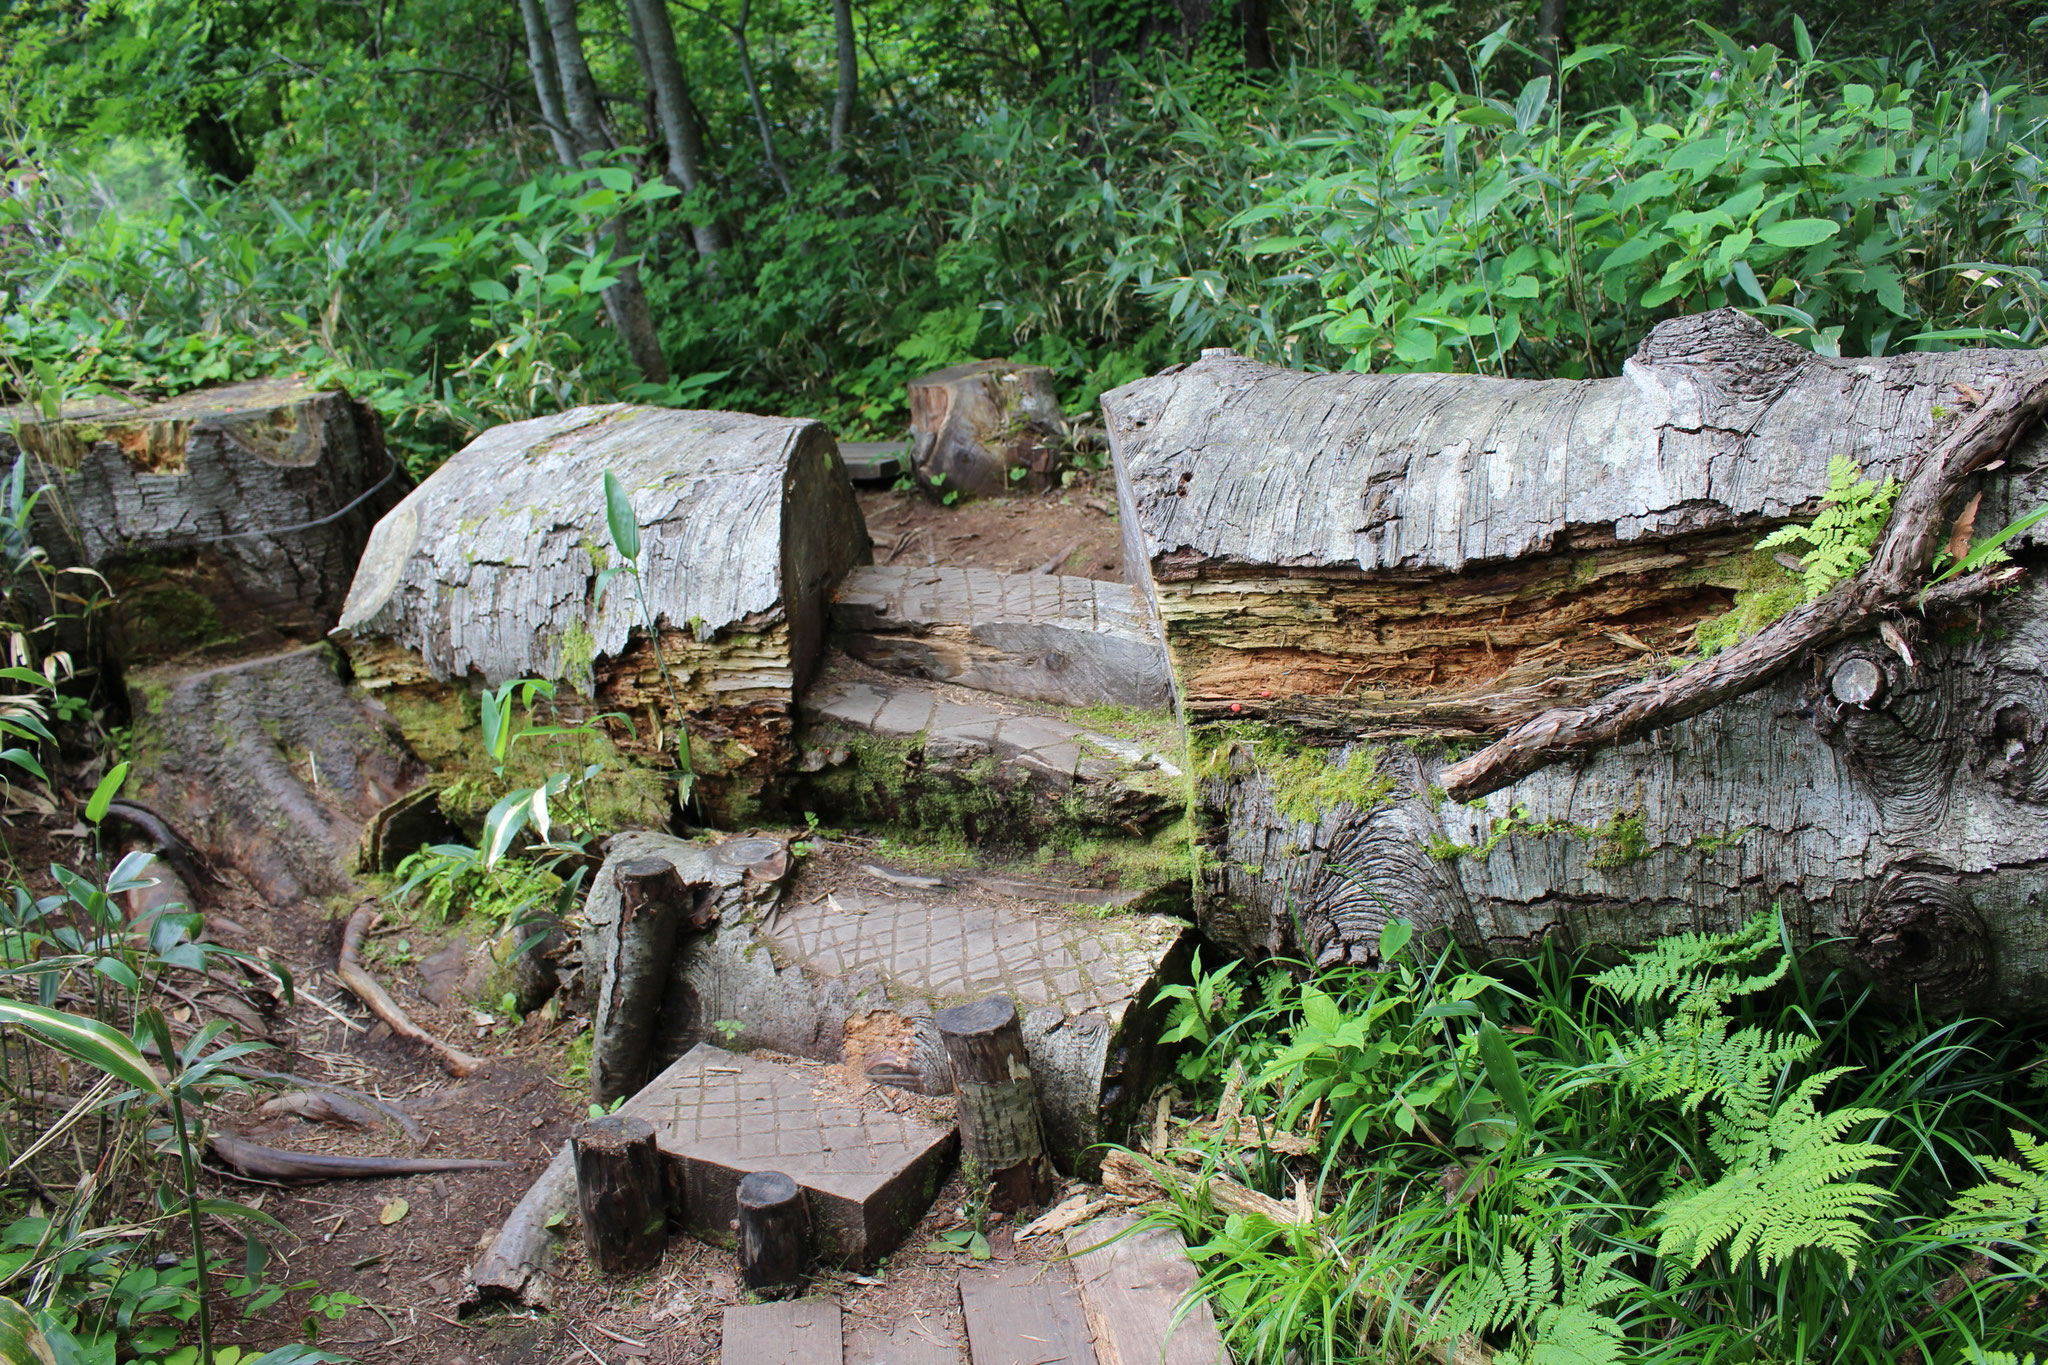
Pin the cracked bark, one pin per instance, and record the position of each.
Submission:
(1446, 557)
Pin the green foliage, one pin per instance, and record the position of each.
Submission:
(1838, 542)
(1700, 1153)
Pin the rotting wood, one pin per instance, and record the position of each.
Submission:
(1000, 1130)
(1446, 555)
(620, 1189)
(490, 567)
(774, 1234)
(972, 424)
(513, 1269)
(275, 1163)
(364, 986)
(1895, 574)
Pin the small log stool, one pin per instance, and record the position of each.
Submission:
(774, 1233)
(620, 1191)
(999, 1124)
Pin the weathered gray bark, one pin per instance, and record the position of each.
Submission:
(271, 765)
(226, 517)
(656, 39)
(547, 89)
(1475, 551)
(489, 569)
(849, 74)
(971, 425)
(513, 1268)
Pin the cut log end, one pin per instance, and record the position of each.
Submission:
(774, 1234)
(620, 1191)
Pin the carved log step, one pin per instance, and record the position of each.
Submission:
(844, 973)
(867, 1175)
(802, 1332)
(1131, 1288)
(1045, 637)
(885, 751)
(875, 462)
(490, 567)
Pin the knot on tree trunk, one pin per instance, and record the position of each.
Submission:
(1738, 355)
(1897, 725)
(1923, 938)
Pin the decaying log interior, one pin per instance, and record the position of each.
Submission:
(489, 571)
(1449, 555)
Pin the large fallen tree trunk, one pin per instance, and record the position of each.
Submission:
(1444, 558)
(491, 569)
(226, 517)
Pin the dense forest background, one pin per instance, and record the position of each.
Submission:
(473, 212)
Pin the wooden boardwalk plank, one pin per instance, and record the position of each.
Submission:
(1131, 1289)
(799, 1332)
(1025, 1315)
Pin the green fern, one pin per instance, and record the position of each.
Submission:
(2011, 1209)
(1692, 968)
(1550, 1308)
(1838, 542)
(944, 336)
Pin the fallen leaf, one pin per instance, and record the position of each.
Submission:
(393, 1211)
(1966, 527)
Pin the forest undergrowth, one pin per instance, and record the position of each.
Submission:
(1714, 1151)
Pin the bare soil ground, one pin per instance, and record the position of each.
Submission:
(348, 1236)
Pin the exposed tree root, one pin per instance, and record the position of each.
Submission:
(354, 976)
(273, 1163)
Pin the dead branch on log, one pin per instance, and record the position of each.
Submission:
(317, 1106)
(454, 1061)
(274, 1163)
(1886, 584)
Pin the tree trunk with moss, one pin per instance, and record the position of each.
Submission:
(1362, 578)
(491, 571)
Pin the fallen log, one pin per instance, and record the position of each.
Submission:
(513, 1269)
(366, 989)
(274, 1163)
(1402, 569)
(491, 569)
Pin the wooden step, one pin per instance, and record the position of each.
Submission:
(882, 750)
(875, 462)
(799, 1332)
(1025, 1315)
(867, 1174)
(908, 1343)
(1131, 1287)
(1047, 637)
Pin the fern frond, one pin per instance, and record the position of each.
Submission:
(2012, 1207)
(1690, 969)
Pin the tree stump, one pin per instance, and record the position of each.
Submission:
(999, 1125)
(621, 1194)
(774, 1234)
(654, 903)
(972, 425)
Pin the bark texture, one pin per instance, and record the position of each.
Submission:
(1884, 782)
(1450, 555)
(228, 515)
(622, 1193)
(775, 1234)
(999, 1127)
(970, 425)
(489, 570)
(272, 765)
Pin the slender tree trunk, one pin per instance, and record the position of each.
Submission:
(1550, 35)
(540, 58)
(655, 41)
(625, 303)
(849, 75)
(760, 106)
(1258, 36)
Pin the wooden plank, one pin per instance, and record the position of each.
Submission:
(923, 1342)
(1025, 1315)
(800, 1332)
(1132, 1287)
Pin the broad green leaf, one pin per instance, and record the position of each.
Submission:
(103, 795)
(1394, 938)
(88, 1041)
(490, 291)
(1797, 232)
(1504, 1074)
(619, 516)
(21, 1341)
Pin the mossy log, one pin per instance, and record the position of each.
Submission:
(226, 517)
(985, 427)
(490, 571)
(1883, 783)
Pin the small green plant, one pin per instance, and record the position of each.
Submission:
(1839, 540)
(624, 527)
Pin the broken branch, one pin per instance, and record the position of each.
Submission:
(274, 1163)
